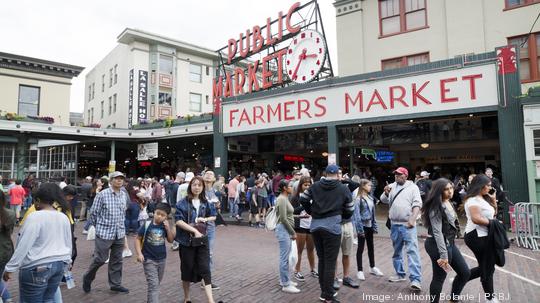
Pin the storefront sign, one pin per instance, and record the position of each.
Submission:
(465, 88)
(143, 96)
(293, 158)
(112, 166)
(130, 100)
(217, 162)
(331, 158)
(147, 151)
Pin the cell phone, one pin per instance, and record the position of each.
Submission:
(492, 191)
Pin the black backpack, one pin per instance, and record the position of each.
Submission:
(424, 187)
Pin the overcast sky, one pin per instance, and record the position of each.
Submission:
(84, 32)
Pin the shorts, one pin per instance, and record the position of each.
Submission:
(16, 208)
(347, 237)
(262, 202)
(300, 230)
(253, 209)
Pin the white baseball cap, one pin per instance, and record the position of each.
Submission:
(424, 174)
(189, 176)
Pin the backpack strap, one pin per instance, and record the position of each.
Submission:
(146, 224)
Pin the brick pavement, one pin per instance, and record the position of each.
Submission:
(246, 271)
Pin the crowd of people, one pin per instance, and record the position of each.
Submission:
(325, 217)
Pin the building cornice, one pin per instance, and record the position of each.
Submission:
(39, 66)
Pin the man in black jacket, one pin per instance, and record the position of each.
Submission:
(328, 202)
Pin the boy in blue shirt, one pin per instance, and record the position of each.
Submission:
(152, 253)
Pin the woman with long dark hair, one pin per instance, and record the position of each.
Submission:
(44, 247)
(192, 215)
(480, 208)
(302, 223)
(7, 223)
(440, 218)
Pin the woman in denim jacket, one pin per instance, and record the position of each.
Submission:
(366, 225)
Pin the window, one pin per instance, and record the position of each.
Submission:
(207, 100)
(516, 3)
(195, 72)
(93, 89)
(115, 73)
(88, 117)
(110, 105)
(208, 70)
(165, 64)
(399, 16)
(114, 125)
(536, 139)
(404, 61)
(103, 83)
(102, 110)
(165, 98)
(89, 92)
(110, 77)
(114, 103)
(529, 56)
(92, 115)
(195, 102)
(28, 100)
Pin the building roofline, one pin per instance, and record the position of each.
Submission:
(130, 34)
(41, 66)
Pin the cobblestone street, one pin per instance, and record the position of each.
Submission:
(246, 271)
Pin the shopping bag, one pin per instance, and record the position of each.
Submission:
(91, 233)
(293, 255)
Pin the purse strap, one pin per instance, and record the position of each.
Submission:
(394, 198)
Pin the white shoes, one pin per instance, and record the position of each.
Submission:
(85, 232)
(375, 271)
(291, 289)
(360, 276)
(127, 253)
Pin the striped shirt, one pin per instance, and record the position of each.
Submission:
(108, 214)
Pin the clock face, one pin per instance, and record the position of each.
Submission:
(305, 56)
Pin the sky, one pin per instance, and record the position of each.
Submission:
(83, 32)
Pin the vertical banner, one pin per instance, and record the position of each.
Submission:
(331, 158)
(143, 96)
(130, 100)
(112, 166)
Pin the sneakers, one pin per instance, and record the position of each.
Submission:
(290, 283)
(87, 285)
(360, 276)
(85, 232)
(315, 274)
(336, 284)
(298, 276)
(396, 279)
(347, 281)
(107, 261)
(375, 271)
(127, 253)
(175, 246)
(120, 289)
(333, 298)
(215, 287)
(415, 285)
(291, 289)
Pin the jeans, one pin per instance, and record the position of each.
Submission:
(284, 240)
(233, 207)
(327, 245)
(368, 237)
(58, 296)
(101, 253)
(211, 233)
(458, 264)
(486, 264)
(402, 236)
(3, 290)
(39, 283)
(153, 270)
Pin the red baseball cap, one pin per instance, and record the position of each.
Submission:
(401, 171)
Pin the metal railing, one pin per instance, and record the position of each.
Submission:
(525, 223)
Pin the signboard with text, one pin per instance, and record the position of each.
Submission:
(142, 92)
(147, 151)
(464, 88)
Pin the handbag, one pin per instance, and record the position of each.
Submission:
(200, 227)
(388, 222)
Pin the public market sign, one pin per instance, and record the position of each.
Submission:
(464, 88)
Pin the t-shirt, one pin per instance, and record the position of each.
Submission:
(486, 210)
(17, 195)
(196, 203)
(154, 242)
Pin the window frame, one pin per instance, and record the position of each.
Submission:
(404, 59)
(110, 77)
(19, 98)
(534, 53)
(103, 83)
(115, 100)
(115, 73)
(172, 64)
(191, 102)
(110, 105)
(527, 3)
(102, 109)
(199, 74)
(402, 20)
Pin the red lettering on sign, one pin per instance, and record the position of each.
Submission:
(217, 88)
(239, 81)
(269, 39)
(228, 86)
(290, 28)
(394, 99)
(273, 113)
(320, 106)
(258, 40)
(287, 110)
(231, 117)
(231, 50)
(244, 117)
(416, 94)
(358, 100)
(303, 109)
(445, 90)
(244, 52)
(372, 101)
(258, 112)
(266, 74)
(279, 56)
(252, 76)
(472, 85)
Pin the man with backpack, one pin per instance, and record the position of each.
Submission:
(329, 202)
(424, 184)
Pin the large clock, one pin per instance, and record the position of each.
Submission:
(305, 56)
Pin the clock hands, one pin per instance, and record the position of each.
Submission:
(302, 57)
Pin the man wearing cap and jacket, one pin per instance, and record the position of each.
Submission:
(329, 202)
(108, 214)
(405, 203)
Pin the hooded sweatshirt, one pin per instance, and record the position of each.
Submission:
(401, 205)
(327, 198)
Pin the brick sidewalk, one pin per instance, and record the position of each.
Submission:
(246, 271)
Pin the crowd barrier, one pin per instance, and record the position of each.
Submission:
(525, 224)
